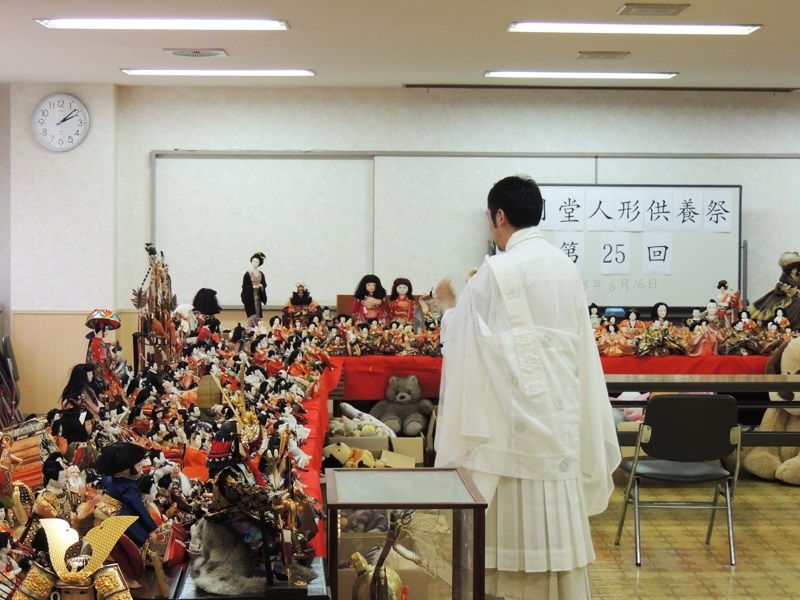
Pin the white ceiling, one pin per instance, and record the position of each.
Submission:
(379, 43)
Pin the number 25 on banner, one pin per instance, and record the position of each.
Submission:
(615, 254)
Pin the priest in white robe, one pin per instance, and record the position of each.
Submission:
(524, 406)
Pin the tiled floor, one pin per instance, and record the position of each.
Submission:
(676, 563)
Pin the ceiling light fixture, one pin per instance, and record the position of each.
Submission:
(576, 75)
(631, 28)
(169, 24)
(221, 72)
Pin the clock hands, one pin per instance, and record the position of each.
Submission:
(72, 113)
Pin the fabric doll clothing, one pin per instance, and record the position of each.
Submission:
(402, 310)
(253, 297)
(127, 493)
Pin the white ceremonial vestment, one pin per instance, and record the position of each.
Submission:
(523, 396)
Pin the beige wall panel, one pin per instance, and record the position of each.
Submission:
(47, 346)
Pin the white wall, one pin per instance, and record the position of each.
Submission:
(5, 217)
(62, 207)
(502, 121)
(80, 219)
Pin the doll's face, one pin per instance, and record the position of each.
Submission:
(695, 314)
(370, 287)
(661, 311)
(711, 307)
(772, 326)
(402, 289)
(89, 376)
(255, 263)
(301, 291)
(2, 514)
(744, 315)
(779, 313)
(632, 316)
(612, 320)
(739, 326)
(594, 310)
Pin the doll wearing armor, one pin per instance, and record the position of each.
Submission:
(301, 307)
(369, 301)
(785, 295)
(401, 302)
(254, 289)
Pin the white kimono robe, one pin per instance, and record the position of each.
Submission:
(523, 396)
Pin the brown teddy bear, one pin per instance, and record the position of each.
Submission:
(774, 462)
(403, 411)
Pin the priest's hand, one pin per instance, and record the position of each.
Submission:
(445, 295)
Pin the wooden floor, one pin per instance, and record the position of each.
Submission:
(676, 563)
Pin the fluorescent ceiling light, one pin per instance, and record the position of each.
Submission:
(622, 28)
(222, 72)
(171, 24)
(577, 75)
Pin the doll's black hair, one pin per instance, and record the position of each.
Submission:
(205, 302)
(145, 484)
(260, 256)
(401, 281)
(78, 380)
(52, 466)
(5, 539)
(654, 310)
(71, 425)
(361, 290)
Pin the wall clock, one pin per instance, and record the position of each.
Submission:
(60, 122)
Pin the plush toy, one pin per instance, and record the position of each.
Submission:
(402, 410)
(339, 455)
(772, 462)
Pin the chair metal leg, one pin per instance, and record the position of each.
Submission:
(728, 493)
(637, 533)
(713, 514)
(624, 510)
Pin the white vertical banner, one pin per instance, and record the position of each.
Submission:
(717, 207)
(659, 213)
(657, 253)
(573, 244)
(615, 253)
(630, 209)
(565, 208)
(687, 204)
(601, 209)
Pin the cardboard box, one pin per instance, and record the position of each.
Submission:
(411, 446)
(394, 460)
(365, 443)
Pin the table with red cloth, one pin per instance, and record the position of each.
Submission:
(366, 377)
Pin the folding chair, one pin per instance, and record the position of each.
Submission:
(681, 432)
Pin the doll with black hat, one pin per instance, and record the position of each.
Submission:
(121, 465)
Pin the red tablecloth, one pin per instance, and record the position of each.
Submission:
(684, 365)
(366, 377)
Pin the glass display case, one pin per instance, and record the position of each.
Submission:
(416, 530)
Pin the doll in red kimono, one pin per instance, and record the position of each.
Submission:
(370, 301)
(401, 302)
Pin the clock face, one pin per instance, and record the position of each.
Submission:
(60, 122)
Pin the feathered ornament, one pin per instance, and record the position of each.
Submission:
(420, 539)
(139, 298)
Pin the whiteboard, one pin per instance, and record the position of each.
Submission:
(326, 220)
(312, 217)
(639, 245)
(430, 211)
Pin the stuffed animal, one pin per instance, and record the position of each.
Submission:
(773, 462)
(403, 411)
(339, 455)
